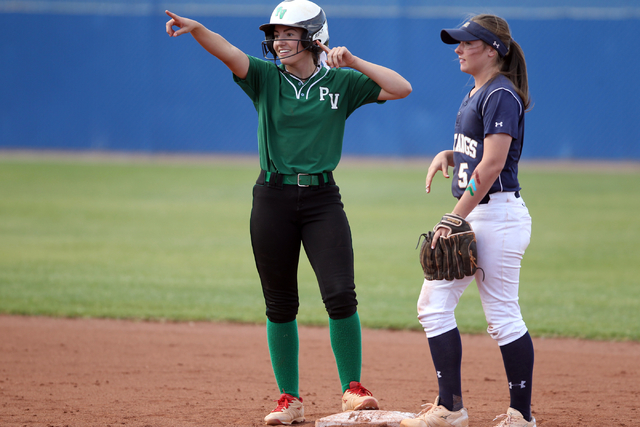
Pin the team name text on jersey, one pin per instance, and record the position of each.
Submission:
(464, 144)
(324, 91)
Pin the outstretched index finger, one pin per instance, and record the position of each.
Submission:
(323, 47)
(170, 22)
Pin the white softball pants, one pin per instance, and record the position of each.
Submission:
(503, 232)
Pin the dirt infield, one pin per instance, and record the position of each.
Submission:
(90, 372)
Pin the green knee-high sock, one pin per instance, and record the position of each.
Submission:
(283, 349)
(346, 342)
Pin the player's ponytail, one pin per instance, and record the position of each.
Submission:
(514, 68)
(512, 65)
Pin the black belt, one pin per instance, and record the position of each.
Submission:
(275, 179)
(486, 198)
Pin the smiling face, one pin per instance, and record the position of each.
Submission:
(287, 44)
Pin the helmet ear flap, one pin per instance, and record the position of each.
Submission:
(267, 46)
(306, 42)
(311, 44)
(315, 49)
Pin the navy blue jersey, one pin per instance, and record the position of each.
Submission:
(494, 108)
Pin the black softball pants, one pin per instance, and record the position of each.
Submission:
(283, 218)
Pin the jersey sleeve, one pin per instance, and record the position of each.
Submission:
(502, 110)
(363, 91)
(251, 83)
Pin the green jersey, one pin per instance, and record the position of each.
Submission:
(301, 124)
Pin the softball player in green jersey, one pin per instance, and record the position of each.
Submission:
(302, 106)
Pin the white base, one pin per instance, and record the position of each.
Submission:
(365, 419)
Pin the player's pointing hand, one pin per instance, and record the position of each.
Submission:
(185, 25)
(338, 56)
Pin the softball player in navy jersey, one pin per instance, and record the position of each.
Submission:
(487, 144)
(302, 107)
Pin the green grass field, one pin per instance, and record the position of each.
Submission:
(169, 239)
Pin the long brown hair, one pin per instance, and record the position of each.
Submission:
(513, 65)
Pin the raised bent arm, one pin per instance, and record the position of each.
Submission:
(393, 85)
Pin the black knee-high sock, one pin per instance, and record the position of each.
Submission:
(518, 364)
(446, 352)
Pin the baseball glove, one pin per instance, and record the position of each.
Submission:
(454, 256)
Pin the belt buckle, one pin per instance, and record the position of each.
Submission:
(303, 174)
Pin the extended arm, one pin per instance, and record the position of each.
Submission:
(236, 60)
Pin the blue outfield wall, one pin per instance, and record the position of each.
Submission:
(105, 76)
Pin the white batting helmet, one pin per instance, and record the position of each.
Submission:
(298, 14)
